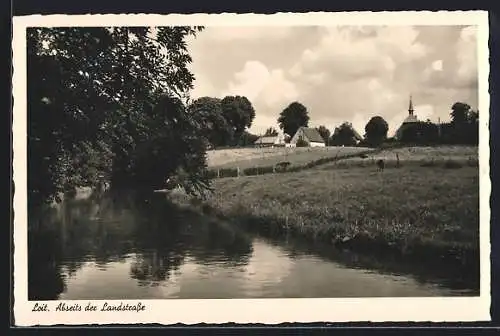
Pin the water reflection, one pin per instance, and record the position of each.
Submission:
(152, 238)
(118, 247)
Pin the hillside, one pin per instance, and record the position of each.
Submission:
(260, 157)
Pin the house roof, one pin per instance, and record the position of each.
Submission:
(356, 134)
(410, 119)
(312, 134)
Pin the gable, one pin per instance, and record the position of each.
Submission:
(312, 134)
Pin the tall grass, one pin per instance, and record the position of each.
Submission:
(429, 212)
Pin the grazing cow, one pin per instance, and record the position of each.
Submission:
(380, 165)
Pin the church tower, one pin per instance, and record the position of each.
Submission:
(410, 108)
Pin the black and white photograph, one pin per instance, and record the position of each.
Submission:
(315, 162)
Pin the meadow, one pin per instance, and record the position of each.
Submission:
(244, 158)
(420, 210)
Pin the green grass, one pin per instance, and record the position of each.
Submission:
(245, 158)
(422, 211)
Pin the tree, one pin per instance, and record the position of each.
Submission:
(465, 124)
(247, 139)
(420, 132)
(343, 135)
(376, 131)
(91, 100)
(473, 116)
(293, 117)
(460, 113)
(271, 131)
(325, 133)
(239, 113)
(207, 111)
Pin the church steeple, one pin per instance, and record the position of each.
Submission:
(410, 108)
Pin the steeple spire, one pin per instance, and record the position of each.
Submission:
(410, 108)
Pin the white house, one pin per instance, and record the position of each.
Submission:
(309, 135)
(270, 141)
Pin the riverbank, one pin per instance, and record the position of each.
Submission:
(423, 213)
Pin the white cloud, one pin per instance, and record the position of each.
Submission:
(340, 73)
(437, 65)
(248, 33)
(467, 54)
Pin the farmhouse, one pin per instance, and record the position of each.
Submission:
(410, 119)
(309, 135)
(270, 141)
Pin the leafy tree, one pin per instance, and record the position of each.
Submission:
(91, 98)
(247, 139)
(460, 113)
(167, 152)
(343, 135)
(465, 124)
(293, 117)
(271, 131)
(376, 130)
(214, 127)
(324, 132)
(473, 116)
(420, 132)
(239, 113)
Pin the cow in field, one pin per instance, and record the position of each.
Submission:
(380, 165)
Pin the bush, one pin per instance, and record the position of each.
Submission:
(302, 143)
(211, 174)
(228, 172)
(427, 163)
(251, 171)
(266, 169)
(473, 162)
(282, 166)
(258, 170)
(450, 164)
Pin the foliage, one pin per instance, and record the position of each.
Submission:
(343, 135)
(239, 113)
(420, 133)
(376, 130)
(460, 113)
(91, 93)
(293, 117)
(325, 133)
(247, 139)
(271, 131)
(302, 143)
(207, 111)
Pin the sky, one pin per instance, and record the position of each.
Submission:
(339, 73)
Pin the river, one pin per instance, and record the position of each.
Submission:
(118, 248)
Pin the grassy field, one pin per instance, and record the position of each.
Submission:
(465, 155)
(261, 157)
(425, 211)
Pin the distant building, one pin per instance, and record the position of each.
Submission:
(309, 135)
(270, 141)
(410, 119)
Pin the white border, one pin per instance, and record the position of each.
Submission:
(256, 310)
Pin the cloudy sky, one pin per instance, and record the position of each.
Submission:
(344, 73)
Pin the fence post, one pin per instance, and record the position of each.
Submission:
(237, 171)
(218, 173)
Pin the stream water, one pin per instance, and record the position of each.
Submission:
(113, 248)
